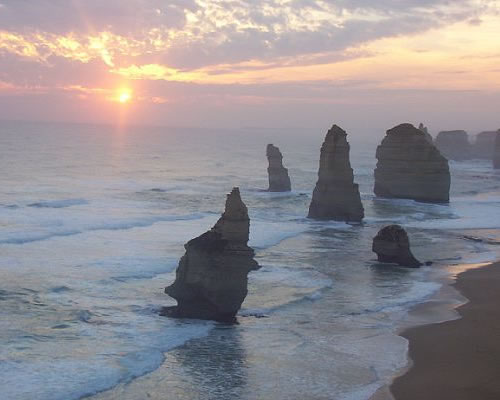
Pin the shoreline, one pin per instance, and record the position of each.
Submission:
(455, 358)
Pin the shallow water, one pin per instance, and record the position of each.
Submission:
(92, 224)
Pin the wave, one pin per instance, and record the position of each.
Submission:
(23, 238)
(59, 203)
(77, 378)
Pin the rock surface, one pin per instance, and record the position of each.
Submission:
(211, 279)
(393, 246)
(484, 144)
(454, 145)
(410, 167)
(496, 154)
(424, 129)
(279, 181)
(336, 196)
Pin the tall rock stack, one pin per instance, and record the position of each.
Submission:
(454, 145)
(279, 181)
(211, 279)
(336, 196)
(410, 167)
(496, 154)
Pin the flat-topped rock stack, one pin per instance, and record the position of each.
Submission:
(279, 181)
(393, 246)
(410, 167)
(496, 154)
(484, 145)
(336, 196)
(211, 279)
(454, 145)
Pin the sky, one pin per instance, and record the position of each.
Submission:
(281, 64)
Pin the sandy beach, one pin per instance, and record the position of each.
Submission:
(458, 359)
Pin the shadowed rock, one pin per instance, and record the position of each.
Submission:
(393, 246)
(410, 167)
(211, 279)
(484, 145)
(454, 145)
(496, 155)
(336, 196)
(424, 129)
(279, 181)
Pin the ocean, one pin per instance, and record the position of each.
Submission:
(93, 219)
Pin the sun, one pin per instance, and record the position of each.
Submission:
(124, 96)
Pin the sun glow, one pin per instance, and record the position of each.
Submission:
(124, 96)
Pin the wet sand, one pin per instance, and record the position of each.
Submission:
(459, 359)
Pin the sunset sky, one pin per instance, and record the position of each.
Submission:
(364, 64)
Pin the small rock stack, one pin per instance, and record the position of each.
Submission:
(424, 129)
(336, 196)
(279, 181)
(393, 246)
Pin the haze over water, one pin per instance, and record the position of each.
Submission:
(93, 224)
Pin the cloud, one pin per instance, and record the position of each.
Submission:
(191, 34)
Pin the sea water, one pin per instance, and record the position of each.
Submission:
(93, 219)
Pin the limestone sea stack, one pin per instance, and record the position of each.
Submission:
(410, 167)
(211, 279)
(336, 196)
(496, 154)
(454, 145)
(393, 246)
(279, 181)
(484, 144)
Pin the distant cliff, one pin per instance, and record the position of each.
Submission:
(454, 145)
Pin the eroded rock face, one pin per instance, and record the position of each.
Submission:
(336, 196)
(454, 145)
(496, 155)
(410, 167)
(484, 145)
(279, 181)
(211, 279)
(393, 246)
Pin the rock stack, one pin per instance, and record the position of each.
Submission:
(279, 181)
(211, 279)
(496, 154)
(424, 129)
(483, 145)
(393, 246)
(410, 167)
(454, 145)
(336, 196)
